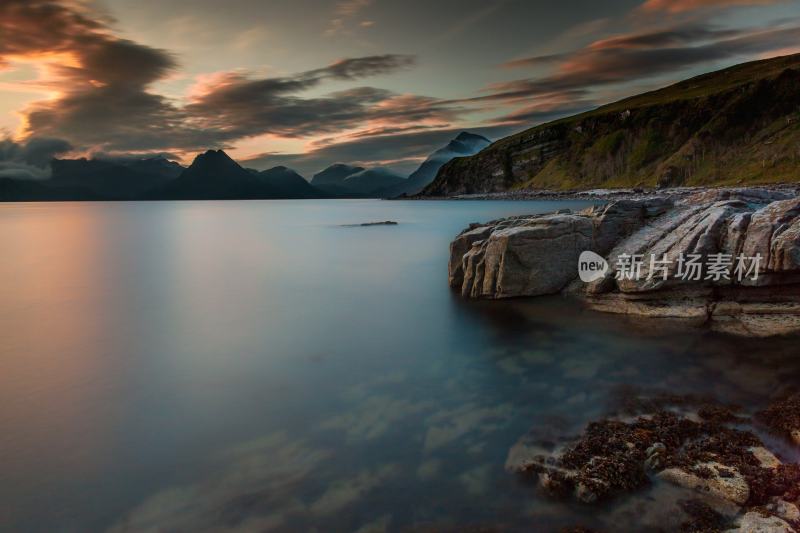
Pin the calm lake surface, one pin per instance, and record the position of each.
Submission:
(255, 366)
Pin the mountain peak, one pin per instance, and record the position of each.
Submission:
(335, 174)
(467, 136)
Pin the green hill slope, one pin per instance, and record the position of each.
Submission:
(740, 125)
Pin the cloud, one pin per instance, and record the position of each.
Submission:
(100, 82)
(680, 6)
(538, 112)
(29, 160)
(237, 105)
(362, 67)
(639, 56)
(104, 102)
(534, 61)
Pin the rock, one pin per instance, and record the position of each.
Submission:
(724, 482)
(367, 224)
(765, 457)
(713, 473)
(459, 247)
(537, 258)
(785, 510)
(611, 455)
(755, 522)
(657, 448)
(537, 255)
(655, 456)
(782, 416)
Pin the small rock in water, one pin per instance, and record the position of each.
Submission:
(363, 224)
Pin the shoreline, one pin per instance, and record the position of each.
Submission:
(634, 193)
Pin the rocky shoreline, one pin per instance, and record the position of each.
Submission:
(754, 233)
(713, 454)
(602, 195)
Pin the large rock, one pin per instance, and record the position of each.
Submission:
(537, 258)
(537, 255)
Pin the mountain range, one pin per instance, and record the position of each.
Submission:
(213, 175)
(736, 126)
(740, 125)
(465, 144)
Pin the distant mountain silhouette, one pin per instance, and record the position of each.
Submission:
(464, 144)
(334, 174)
(347, 181)
(289, 184)
(112, 179)
(213, 175)
(155, 166)
(372, 182)
(19, 190)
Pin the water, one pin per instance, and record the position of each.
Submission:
(255, 366)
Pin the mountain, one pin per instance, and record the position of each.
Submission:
(331, 180)
(372, 182)
(289, 184)
(739, 125)
(111, 179)
(155, 166)
(347, 181)
(334, 174)
(19, 190)
(213, 175)
(463, 145)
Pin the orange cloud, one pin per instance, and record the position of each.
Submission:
(681, 6)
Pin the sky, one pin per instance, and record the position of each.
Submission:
(306, 83)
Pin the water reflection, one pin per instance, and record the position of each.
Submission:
(242, 366)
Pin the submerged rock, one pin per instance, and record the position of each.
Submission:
(537, 255)
(695, 444)
(755, 522)
(712, 478)
(783, 417)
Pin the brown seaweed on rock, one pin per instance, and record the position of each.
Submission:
(692, 442)
(782, 416)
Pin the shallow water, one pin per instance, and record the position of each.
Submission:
(255, 366)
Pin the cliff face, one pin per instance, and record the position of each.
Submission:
(735, 126)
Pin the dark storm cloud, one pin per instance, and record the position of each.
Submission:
(29, 160)
(638, 56)
(106, 102)
(37, 25)
(242, 106)
(102, 80)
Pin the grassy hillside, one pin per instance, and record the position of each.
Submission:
(740, 125)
